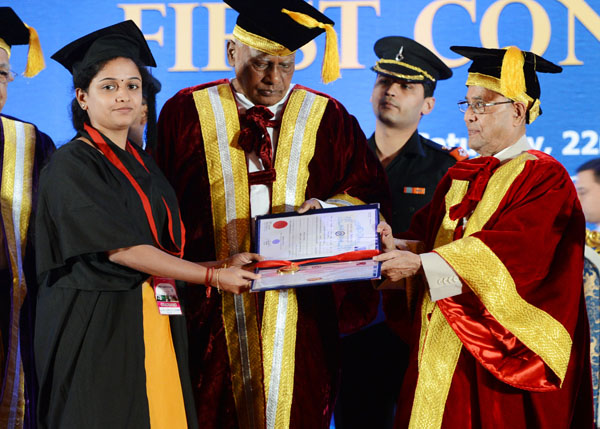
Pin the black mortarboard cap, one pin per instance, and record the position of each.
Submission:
(13, 31)
(280, 27)
(510, 72)
(264, 18)
(406, 59)
(120, 40)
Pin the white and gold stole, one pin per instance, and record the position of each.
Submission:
(15, 192)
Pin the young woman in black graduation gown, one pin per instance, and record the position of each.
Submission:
(107, 221)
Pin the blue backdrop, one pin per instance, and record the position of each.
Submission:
(188, 40)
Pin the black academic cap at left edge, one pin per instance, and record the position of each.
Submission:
(13, 31)
(124, 39)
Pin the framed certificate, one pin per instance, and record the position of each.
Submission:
(318, 247)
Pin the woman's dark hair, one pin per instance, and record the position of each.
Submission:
(82, 79)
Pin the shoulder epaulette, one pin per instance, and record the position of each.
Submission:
(457, 152)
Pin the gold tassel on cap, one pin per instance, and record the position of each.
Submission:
(35, 57)
(331, 60)
(534, 112)
(5, 46)
(512, 77)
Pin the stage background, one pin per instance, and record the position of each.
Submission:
(188, 42)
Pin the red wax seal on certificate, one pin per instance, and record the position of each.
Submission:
(280, 224)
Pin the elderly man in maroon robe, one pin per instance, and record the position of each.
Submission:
(250, 146)
(501, 334)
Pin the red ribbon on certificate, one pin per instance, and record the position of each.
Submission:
(291, 267)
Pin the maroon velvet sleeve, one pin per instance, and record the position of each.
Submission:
(537, 232)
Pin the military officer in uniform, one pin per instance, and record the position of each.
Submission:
(407, 74)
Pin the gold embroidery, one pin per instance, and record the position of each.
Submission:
(352, 201)
(261, 43)
(592, 239)
(289, 193)
(455, 195)
(286, 192)
(245, 363)
(493, 83)
(398, 75)
(492, 283)
(422, 72)
(497, 187)
(436, 339)
(494, 286)
(436, 368)
(12, 408)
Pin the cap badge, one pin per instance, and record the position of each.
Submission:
(399, 56)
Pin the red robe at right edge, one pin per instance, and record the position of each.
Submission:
(512, 350)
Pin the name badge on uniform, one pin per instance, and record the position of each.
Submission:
(414, 190)
(165, 293)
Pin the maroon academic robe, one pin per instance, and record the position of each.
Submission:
(523, 342)
(342, 164)
(18, 286)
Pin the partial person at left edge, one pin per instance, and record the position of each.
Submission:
(23, 151)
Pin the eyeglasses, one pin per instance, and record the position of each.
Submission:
(479, 106)
(7, 76)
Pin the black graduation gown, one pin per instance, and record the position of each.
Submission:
(89, 339)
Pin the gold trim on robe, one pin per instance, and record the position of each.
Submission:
(258, 402)
(494, 286)
(295, 149)
(16, 194)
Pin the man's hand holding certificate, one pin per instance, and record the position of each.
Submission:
(319, 247)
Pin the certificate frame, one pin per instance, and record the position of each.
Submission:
(348, 271)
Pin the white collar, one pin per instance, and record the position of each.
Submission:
(276, 108)
(514, 150)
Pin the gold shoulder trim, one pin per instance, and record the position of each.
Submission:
(496, 189)
(494, 286)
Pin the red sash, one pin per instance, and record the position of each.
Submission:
(114, 160)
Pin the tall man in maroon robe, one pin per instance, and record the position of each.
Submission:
(250, 146)
(501, 332)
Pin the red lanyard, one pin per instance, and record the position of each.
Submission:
(114, 160)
